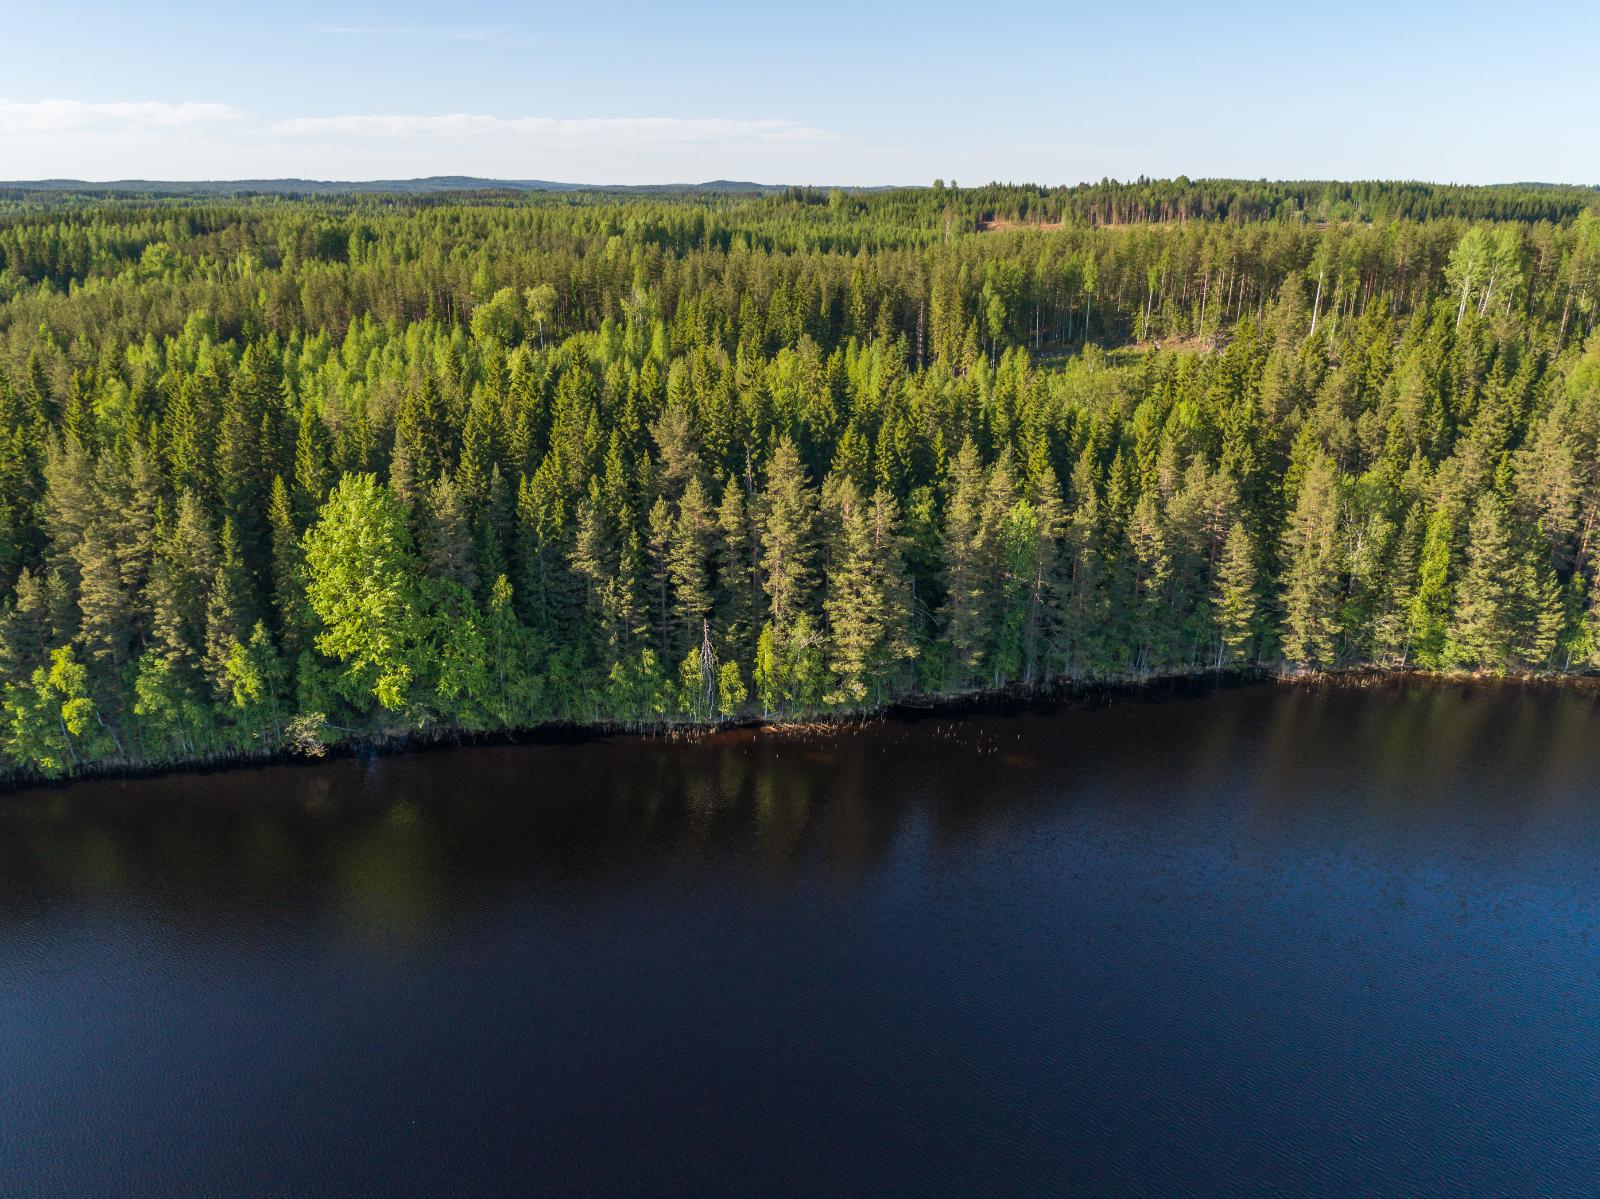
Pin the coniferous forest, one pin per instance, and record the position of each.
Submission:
(278, 471)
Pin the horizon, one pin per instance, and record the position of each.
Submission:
(449, 182)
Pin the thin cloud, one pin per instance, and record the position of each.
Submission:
(624, 130)
(151, 139)
(485, 36)
(56, 117)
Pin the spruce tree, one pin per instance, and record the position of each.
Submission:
(967, 578)
(788, 532)
(1311, 569)
(1483, 630)
(1235, 599)
(689, 566)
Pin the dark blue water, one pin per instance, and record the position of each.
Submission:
(1268, 941)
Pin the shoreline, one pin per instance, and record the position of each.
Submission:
(1002, 701)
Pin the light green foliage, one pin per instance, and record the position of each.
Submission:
(791, 674)
(367, 465)
(696, 687)
(363, 587)
(175, 720)
(731, 690)
(499, 318)
(255, 674)
(54, 727)
(1430, 604)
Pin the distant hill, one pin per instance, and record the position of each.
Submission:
(433, 183)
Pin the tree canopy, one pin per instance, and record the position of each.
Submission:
(277, 467)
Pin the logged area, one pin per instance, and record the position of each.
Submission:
(279, 470)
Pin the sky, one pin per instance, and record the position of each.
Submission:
(815, 91)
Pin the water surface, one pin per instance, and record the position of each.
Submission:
(1267, 941)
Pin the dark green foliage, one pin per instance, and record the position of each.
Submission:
(372, 465)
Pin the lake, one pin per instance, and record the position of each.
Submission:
(1270, 940)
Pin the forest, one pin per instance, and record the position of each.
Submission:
(282, 471)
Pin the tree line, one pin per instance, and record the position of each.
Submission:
(278, 473)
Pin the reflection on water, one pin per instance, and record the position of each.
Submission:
(391, 837)
(1271, 939)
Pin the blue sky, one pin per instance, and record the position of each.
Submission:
(819, 92)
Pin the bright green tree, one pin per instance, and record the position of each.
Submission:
(362, 584)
